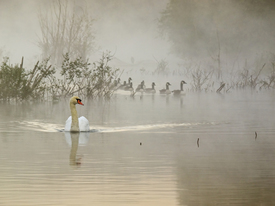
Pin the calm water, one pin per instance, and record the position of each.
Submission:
(200, 149)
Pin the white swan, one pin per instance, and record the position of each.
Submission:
(73, 123)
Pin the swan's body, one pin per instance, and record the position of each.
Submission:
(165, 91)
(83, 123)
(73, 123)
(180, 91)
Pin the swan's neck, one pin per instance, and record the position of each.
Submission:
(167, 87)
(74, 126)
(181, 87)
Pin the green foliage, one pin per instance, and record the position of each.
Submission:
(13, 81)
(16, 83)
(37, 79)
(102, 76)
(78, 77)
(82, 78)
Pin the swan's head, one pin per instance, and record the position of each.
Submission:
(76, 100)
(183, 82)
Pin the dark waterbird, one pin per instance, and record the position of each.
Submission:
(166, 90)
(180, 91)
(140, 87)
(151, 90)
(129, 88)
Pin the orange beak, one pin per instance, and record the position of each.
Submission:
(79, 102)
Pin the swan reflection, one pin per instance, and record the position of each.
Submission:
(83, 137)
(74, 140)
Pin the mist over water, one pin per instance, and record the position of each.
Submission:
(157, 150)
(201, 148)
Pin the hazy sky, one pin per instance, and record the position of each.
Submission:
(128, 28)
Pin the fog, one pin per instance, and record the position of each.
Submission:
(230, 34)
(200, 147)
(126, 28)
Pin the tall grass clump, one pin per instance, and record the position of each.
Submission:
(18, 84)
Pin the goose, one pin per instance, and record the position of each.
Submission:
(151, 90)
(180, 91)
(129, 88)
(116, 84)
(129, 81)
(140, 87)
(165, 91)
(73, 123)
(113, 85)
(123, 86)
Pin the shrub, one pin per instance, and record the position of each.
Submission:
(17, 84)
(82, 78)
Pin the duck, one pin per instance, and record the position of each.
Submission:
(73, 123)
(166, 90)
(151, 90)
(180, 91)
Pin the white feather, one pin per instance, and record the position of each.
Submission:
(83, 124)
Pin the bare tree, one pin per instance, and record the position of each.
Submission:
(66, 28)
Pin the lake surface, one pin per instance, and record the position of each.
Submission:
(200, 149)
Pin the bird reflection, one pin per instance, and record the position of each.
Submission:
(181, 102)
(74, 140)
(167, 99)
(73, 159)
